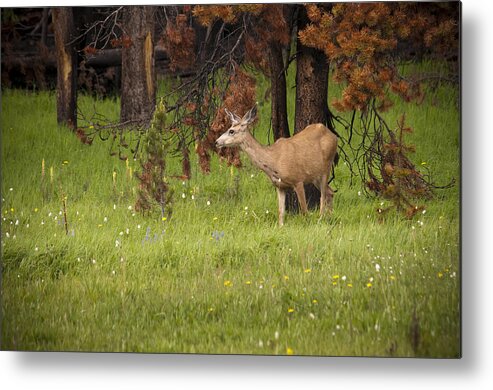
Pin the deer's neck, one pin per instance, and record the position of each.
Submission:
(261, 156)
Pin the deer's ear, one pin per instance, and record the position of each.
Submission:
(249, 117)
(234, 118)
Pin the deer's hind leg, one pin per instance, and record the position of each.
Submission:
(323, 186)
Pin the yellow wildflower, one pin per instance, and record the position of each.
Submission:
(314, 301)
(368, 285)
(290, 310)
(286, 277)
(307, 271)
(350, 285)
(289, 351)
(335, 277)
(248, 282)
(440, 275)
(228, 283)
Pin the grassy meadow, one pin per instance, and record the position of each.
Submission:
(220, 276)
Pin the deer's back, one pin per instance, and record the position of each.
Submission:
(306, 155)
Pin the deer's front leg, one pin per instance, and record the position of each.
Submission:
(281, 199)
(300, 192)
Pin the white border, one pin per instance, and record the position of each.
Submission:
(473, 371)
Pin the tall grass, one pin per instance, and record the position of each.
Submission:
(220, 276)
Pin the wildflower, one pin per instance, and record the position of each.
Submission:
(35, 209)
(100, 225)
(338, 327)
(312, 316)
(289, 351)
(121, 233)
(114, 206)
(7, 234)
(93, 261)
(193, 197)
(307, 270)
(208, 203)
(334, 283)
(138, 226)
(359, 193)
(290, 310)
(343, 278)
(11, 189)
(368, 284)
(377, 267)
(335, 277)
(12, 210)
(113, 272)
(440, 275)
(65, 162)
(36, 248)
(248, 282)
(246, 208)
(127, 230)
(214, 219)
(392, 277)
(129, 207)
(276, 335)
(314, 301)
(183, 195)
(163, 219)
(211, 309)
(423, 163)
(286, 277)
(228, 283)
(105, 219)
(266, 211)
(16, 222)
(350, 285)
(117, 243)
(260, 343)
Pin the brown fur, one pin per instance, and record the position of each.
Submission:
(307, 157)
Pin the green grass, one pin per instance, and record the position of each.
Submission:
(220, 276)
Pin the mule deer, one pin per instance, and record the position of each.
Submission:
(306, 157)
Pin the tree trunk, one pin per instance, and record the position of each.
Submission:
(138, 97)
(63, 22)
(312, 71)
(279, 110)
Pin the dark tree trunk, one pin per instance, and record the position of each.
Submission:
(279, 111)
(138, 96)
(312, 71)
(63, 22)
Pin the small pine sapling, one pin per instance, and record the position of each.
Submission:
(398, 180)
(153, 186)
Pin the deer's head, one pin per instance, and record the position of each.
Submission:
(238, 131)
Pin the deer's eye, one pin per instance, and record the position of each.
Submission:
(231, 132)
